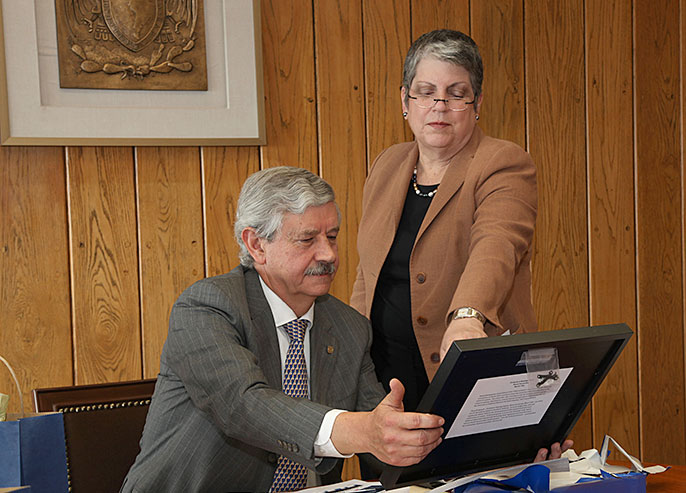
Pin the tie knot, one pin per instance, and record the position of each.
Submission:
(296, 329)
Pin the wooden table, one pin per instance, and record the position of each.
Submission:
(673, 480)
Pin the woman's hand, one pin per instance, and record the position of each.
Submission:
(462, 328)
(556, 451)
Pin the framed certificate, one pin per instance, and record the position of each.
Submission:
(503, 398)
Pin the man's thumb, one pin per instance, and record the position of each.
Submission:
(395, 396)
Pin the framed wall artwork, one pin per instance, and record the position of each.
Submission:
(35, 110)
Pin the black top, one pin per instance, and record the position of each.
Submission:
(394, 348)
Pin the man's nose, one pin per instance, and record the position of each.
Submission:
(326, 251)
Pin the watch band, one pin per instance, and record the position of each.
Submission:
(469, 312)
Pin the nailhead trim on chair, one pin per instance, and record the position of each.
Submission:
(109, 405)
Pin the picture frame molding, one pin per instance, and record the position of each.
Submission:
(39, 112)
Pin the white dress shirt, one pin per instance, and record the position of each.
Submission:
(282, 313)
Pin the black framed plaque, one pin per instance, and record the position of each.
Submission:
(503, 398)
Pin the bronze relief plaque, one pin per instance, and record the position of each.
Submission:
(131, 44)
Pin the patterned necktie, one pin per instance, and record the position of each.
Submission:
(291, 475)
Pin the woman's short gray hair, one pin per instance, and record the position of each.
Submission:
(268, 194)
(448, 46)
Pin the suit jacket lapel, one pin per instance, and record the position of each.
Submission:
(452, 180)
(267, 351)
(323, 355)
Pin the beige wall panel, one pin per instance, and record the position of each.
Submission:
(170, 235)
(555, 118)
(224, 171)
(501, 43)
(658, 230)
(35, 328)
(338, 24)
(104, 264)
(611, 209)
(288, 64)
(386, 41)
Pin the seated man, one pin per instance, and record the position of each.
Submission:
(261, 365)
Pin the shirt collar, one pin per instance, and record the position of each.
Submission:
(281, 312)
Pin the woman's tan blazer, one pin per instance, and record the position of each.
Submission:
(473, 247)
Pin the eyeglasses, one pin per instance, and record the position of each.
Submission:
(453, 104)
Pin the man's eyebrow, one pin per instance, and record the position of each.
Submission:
(305, 232)
(313, 232)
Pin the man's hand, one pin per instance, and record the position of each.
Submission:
(393, 436)
(462, 328)
(555, 451)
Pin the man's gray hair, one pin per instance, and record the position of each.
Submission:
(268, 194)
(448, 46)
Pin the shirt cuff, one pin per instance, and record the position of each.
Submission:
(323, 446)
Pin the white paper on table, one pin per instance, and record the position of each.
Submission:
(590, 463)
(498, 403)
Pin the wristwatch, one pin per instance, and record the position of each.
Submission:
(469, 312)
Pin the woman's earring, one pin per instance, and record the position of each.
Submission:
(404, 114)
(477, 117)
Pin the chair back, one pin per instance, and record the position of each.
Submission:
(103, 424)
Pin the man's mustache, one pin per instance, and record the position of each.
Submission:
(321, 268)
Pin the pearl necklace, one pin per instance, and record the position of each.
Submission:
(416, 188)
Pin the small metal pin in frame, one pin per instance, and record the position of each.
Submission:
(546, 377)
(542, 367)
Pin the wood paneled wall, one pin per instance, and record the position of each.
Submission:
(97, 242)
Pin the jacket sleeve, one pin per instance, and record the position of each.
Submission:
(501, 233)
(206, 349)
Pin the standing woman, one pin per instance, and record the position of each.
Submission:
(447, 222)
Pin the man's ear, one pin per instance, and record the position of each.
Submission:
(255, 245)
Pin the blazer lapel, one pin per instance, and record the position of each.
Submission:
(324, 351)
(393, 196)
(452, 180)
(396, 188)
(267, 351)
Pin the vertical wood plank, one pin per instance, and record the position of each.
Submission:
(497, 29)
(386, 41)
(288, 64)
(682, 80)
(35, 327)
(224, 171)
(342, 140)
(658, 230)
(428, 15)
(104, 264)
(170, 238)
(555, 118)
(611, 209)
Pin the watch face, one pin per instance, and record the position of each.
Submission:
(468, 312)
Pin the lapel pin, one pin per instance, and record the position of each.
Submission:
(329, 349)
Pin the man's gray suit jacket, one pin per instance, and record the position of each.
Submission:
(218, 419)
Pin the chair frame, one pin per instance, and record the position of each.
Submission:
(75, 403)
(82, 397)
